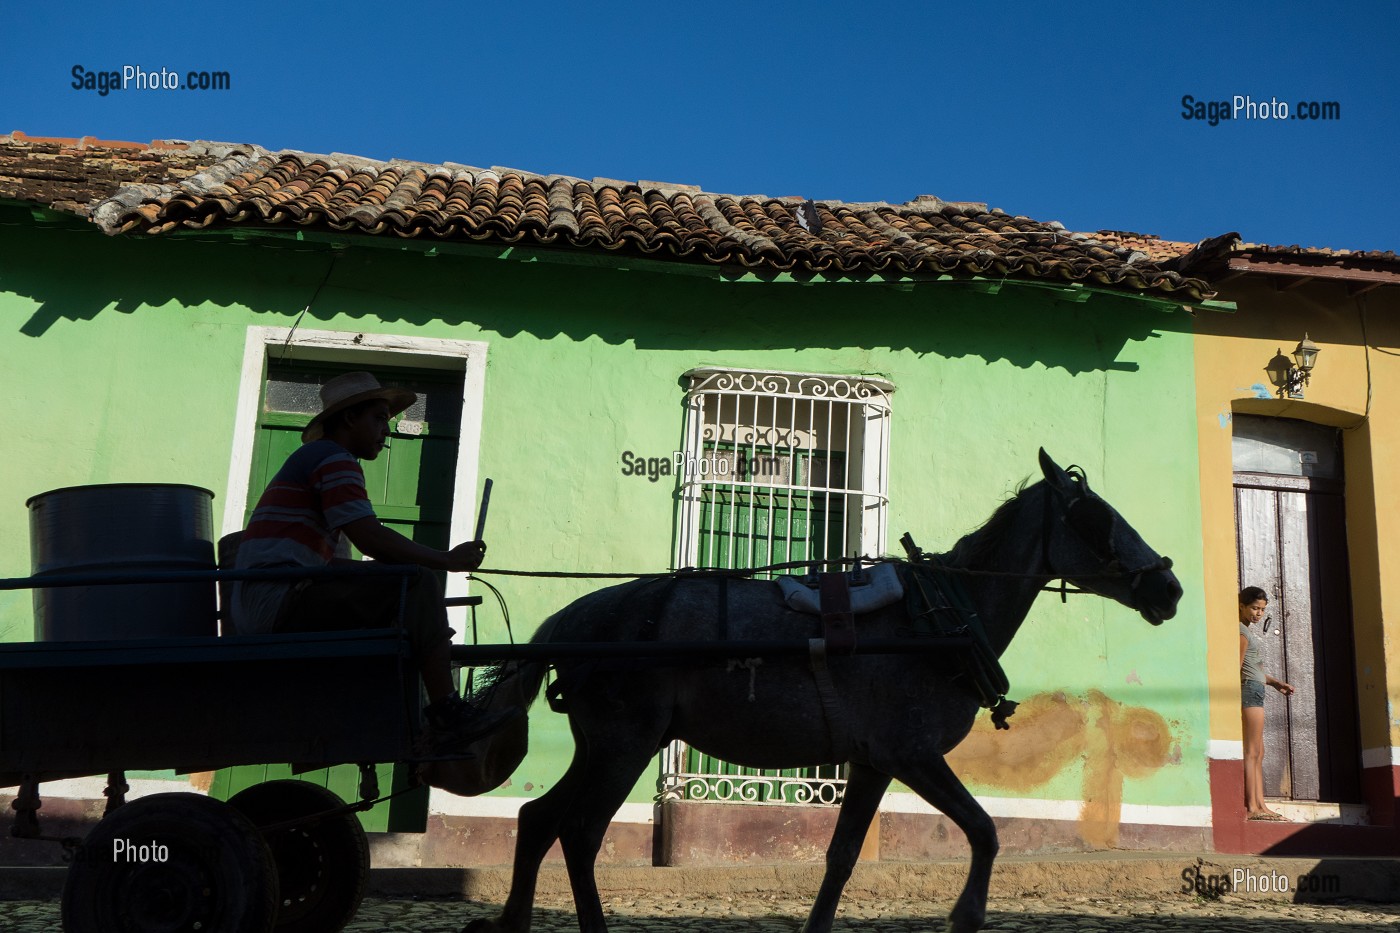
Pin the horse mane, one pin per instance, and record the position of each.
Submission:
(976, 546)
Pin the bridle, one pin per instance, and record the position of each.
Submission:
(1089, 519)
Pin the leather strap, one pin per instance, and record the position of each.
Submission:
(838, 623)
(837, 730)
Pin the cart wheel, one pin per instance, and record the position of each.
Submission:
(322, 867)
(171, 863)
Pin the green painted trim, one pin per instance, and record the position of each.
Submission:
(1214, 304)
(45, 216)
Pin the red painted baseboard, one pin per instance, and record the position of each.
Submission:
(1235, 835)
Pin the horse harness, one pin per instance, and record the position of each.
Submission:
(937, 606)
(838, 636)
(1092, 521)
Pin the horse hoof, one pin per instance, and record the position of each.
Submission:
(965, 923)
(481, 925)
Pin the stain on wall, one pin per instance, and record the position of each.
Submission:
(1046, 734)
(1049, 731)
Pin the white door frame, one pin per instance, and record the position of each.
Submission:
(366, 350)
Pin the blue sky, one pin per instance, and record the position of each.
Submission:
(1068, 112)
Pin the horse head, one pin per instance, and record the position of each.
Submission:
(1088, 543)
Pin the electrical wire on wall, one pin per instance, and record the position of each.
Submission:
(335, 254)
(1366, 348)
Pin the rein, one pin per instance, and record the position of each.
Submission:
(1113, 567)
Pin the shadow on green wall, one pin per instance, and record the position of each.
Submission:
(75, 274)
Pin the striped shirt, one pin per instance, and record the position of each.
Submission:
(297, 522)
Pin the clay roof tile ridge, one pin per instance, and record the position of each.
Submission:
(712, 215)
(352, 162)
(667, 187)
(896, 235)
(219, 173)
(522, 172)
(965, 207)
(218, 150)
(110, 212)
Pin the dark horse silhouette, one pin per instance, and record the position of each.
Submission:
(906, 710)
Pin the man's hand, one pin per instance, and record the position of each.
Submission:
(467, 556)
(385, 544)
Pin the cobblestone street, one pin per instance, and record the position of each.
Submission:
(767, 914)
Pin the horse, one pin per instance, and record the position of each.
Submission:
(906, 711)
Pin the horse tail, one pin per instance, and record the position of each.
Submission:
(516, 682)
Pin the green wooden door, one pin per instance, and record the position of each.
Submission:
(411, 487)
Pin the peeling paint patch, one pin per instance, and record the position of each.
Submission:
(1261, 391)
(1133, 678)
(1225, 419)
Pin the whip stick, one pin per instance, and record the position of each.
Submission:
(481, 512)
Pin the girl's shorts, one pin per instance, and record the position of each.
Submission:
(1251, 693)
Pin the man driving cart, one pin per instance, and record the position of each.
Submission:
(312, 510)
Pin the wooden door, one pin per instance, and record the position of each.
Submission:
(1291, 531)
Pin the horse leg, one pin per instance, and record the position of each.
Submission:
(934, 781)
(609, 777)
(537, 828)
(864, 789)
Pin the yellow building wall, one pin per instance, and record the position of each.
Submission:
(1354, 387)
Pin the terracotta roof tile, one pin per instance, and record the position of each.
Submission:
(133, 189)
(1321, 252)
(1210, 258)
(1149, 244)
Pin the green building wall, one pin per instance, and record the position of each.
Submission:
(121, 363)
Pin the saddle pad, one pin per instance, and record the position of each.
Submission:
(883, 589)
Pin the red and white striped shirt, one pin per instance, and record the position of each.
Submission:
(297, 522)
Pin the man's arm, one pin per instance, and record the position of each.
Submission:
(382, 543)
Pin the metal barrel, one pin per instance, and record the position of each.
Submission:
(122, 528)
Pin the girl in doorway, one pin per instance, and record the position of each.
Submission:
(1253, 602)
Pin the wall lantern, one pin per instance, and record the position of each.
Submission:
(1289, 377)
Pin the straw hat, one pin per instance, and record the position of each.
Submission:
(351, 389)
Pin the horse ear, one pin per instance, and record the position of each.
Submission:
(1055, 476)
